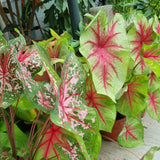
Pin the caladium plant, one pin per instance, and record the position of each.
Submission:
(118, 73)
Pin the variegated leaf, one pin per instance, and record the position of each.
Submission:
(132, 134)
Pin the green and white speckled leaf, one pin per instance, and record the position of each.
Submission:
(132, 134)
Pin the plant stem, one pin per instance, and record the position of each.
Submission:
(6, 20)
(30, 139)
(11, 11)
(44, 128)
(12, 127)
(30, 22)
(18, 18)
(9, 132)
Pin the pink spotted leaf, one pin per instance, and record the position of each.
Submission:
(45, 97)
(132, 133)
(104, 106)
(10, 84)
(53, 76)
(135, 94)
(153, 104)
(106, 49)
(29, 64)
(57, 143)
(70, 112)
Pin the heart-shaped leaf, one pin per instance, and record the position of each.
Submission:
(70, 111)
(105, 48)
(57, 143)
(132, 133)
(136, 92)
(10, 85)
(153, 104)
(45, 97)
(105, 107)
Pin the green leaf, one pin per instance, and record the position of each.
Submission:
(20, 139)
(54, 78)
(70, 111)
(153, 103)
(137, 89)
(105, 107)
(149, 155)
(132, 133)
(106, 49)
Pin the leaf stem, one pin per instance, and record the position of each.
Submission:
(9, 132)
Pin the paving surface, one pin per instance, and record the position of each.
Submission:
(110, 150)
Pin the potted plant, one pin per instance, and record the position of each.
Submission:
(84, 94)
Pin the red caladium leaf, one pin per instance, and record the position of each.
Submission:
(103, 46)
(54, 78)
(104, 106)
(29, 63)
(135, 94)
(70, 111)
(3, 42)
(153, 104)
(156, 25)
(151, 57)
(45, 97)
(149, 60)
(10, 84)
(132, 133)
(144, 35)
(154, 82)
(59, 144)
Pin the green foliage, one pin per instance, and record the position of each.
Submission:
(63, 117)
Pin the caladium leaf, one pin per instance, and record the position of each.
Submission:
(54, 78)
(153, 104)
(45, 97)
(150, 154)
(10, 85)
(29, 64)
(70, 111)
(154, 82)
(156, 25)
(151, 56)
(105, 48)
(132, 133)
(144, 35)
(3, 42)
(136, 92)
(58, 144)
(105, 107)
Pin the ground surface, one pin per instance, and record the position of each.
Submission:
(110, 150)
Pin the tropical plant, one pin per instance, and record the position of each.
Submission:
(119, 72)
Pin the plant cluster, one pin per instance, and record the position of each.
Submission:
(119, 72)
